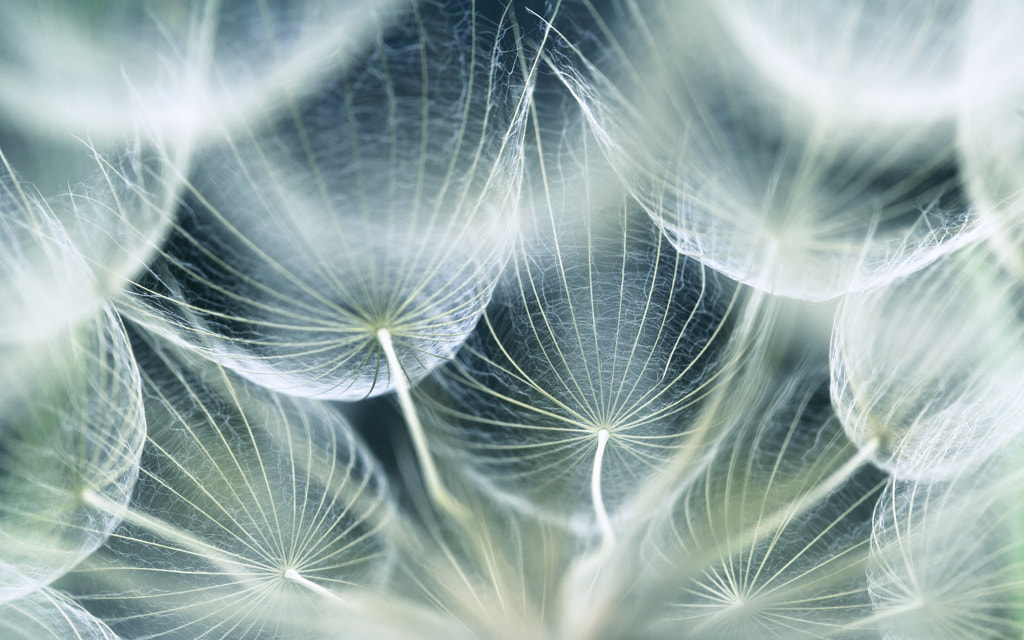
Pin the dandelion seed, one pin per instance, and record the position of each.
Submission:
(946, 556)
(381, 204)
(45, 281)
(888, 64)
(929, 366)
(499, 578)
(563, 238)
(174, 70)
(780, 195)
(71, 424)
(771, 540)
(991, 131)
(599, 342)
(49, 615)
(253, 512)
(63, 258)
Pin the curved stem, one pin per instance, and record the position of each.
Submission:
(431, 477)
(603, 522)
(294, 576)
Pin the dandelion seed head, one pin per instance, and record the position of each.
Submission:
(595, 249)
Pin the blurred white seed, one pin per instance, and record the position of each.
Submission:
(880, 63)
(50, 615)
(946, 558)
(991, 127)
(795, 198)
(930, 366)
(71, 425)
(45, 281)
(63, 257)
(176, 70)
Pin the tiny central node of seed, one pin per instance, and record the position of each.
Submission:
(879, 437)
(737, 603)
(295, 577)
(88, 495)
